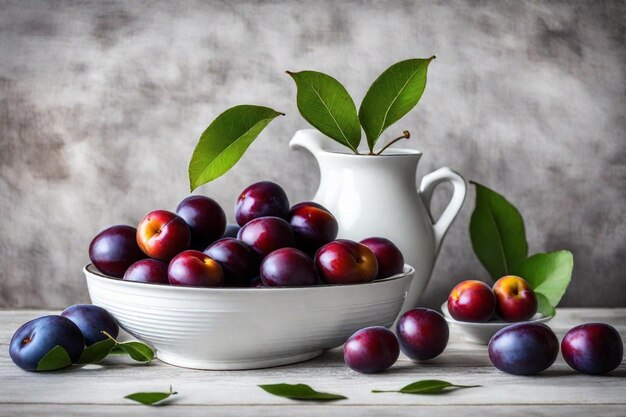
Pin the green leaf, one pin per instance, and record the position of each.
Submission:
(497, 233)
(300, 392)
(544, 307)
(428, 386)
(56, 358)
(151, 398)
(394, 93)
(225, 141)
(325, 104)
(97, 352)
(137, 350)
(548, 274)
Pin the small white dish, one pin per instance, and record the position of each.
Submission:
(483, 332)
(246, 328)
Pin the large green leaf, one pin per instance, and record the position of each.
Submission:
(548, 274)
(497, 233)
(394, 93)
(56, 358)
(300, 392)
(225, 141)
(327, 106)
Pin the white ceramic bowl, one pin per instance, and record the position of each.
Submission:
(482, 332)
(246, 328)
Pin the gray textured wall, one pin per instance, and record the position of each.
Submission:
(101, 105)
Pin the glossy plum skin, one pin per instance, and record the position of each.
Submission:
(523, 348)
(231, 230)
(162, 235)
(266, 234)
(313, 226)
(288, 267)
(472, 301)
(237, 260)
(114, 249)
(92, 320)
(205, 217)
(370, 350)
(34, 339)
(593, 348)
(196, 269)
(389, 257)
(151, 271)
(423, 334)
(346, 262)
(516, 301)
(261, 199)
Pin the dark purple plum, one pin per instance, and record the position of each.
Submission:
(423, 333)
(257, 282)
(237, 260)
(266, 234)
(231, 230)
(370, 350)
(114, 249)
(205, 218)
(523, 348)
(313, 226)
(288, 267)
(92, 321)
(389, 257)
(152, 271)
(261, 199)
(593, 348)
(196, 269)
(33, 340)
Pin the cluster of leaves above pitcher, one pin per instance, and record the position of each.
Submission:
(499, 241)
(326, 104)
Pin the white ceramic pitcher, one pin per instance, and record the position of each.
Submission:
(377, 196)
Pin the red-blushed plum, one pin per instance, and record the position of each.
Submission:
(148, 270)
(523, 348)
(288, 267)
(92, 321)
(472, 301)
(237, 260)
(195, 268)
(313, 226)
(162, 235)
(370, 350)
(266, 234)
(261, 199)
(34, 339)
(515, 300)
(593, 348)
(389, 257)
(423, 334)
(114, 249)
(346, 262)
(231, 230)
(205, 217)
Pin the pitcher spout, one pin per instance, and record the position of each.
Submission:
(309, 139)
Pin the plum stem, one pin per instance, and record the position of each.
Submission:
(405, 135)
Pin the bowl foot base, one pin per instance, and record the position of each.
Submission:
(236, 364)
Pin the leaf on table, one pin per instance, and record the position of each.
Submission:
(225, 141)
(392, 95)
(548, 274)
(428, 386)
(56, 358)
(300, 392)
(151, 398)
(137, 350)
(97, 352)
(497, 233)
(326, 105)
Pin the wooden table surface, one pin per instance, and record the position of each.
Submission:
(99, 389)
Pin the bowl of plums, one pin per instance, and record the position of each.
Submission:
(276, 288)
(480, 311)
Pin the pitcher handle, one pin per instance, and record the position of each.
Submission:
(427, 187)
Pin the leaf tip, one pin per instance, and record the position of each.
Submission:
(431, 58)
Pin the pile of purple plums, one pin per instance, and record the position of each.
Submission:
(273, 245)
(76, 328)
